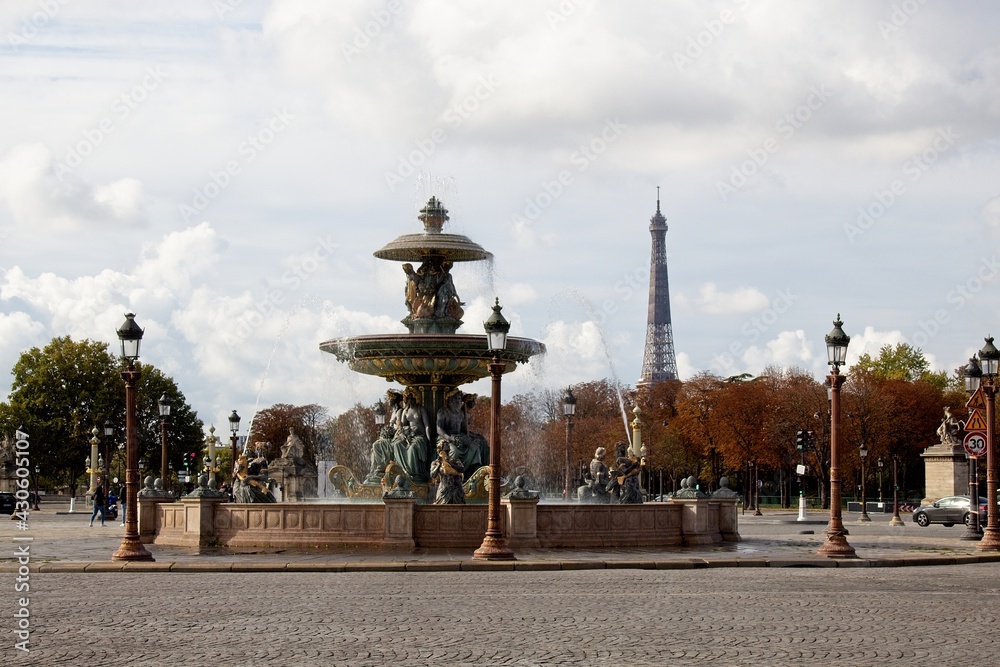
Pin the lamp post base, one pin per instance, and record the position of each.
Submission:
(864, 518)
(494, 548)
(836, 546)
(132, 550)
(990, 541)
(971, 534)
(896, 521)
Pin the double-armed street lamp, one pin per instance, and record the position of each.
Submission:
(131, 547)
(164, 405)
(836, 545)
(973, 531)
(989, 358)
(494, 546)
(569, 409)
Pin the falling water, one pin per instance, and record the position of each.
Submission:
(592, 313)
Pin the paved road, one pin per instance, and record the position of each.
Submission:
(725, 616)
(740, 614)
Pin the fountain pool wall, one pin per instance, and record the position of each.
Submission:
(407, 524)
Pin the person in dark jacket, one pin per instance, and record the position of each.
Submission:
(98, 505)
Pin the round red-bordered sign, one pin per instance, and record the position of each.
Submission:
(975, 443)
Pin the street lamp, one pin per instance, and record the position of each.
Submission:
(973, 532)
(380, 415)
(836, 545)
(37, 470)
(880, 464)
(92, 461)
(164, 405)
(895, 521)
(131, 548)
(494, 546)
(755, 469)
(989, 357)
(864, 498)
(109, 434)
(234, 426)
(569, 409)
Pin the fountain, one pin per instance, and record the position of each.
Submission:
(426, 439)
(431, 361)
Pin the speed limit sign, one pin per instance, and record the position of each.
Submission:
(975, 443)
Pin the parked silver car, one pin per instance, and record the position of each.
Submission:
(948, 511)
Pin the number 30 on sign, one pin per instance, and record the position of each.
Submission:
(975, 443)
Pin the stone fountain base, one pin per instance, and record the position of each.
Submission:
(407, 524)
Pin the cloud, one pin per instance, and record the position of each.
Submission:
(790, 348)
(37, 197)
(712, 301)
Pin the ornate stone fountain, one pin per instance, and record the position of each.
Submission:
(431, 361)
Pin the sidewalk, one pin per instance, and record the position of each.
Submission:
(62, 542)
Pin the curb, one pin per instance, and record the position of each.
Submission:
(494, 566)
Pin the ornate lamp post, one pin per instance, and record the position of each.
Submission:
(864, 499)
(756, 489)
(234, 426)
(895, 521)
(880, 464)
(494, 546)
(109, 435)
(131, 548)
(989, 358)
(92, 461)
(380, 415)
(836, 545)
(973, 532)
(37, 470)
(164, 405)
(569, 409)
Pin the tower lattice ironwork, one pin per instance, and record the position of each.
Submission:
(658, 361)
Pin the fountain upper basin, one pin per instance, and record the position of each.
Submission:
(420, 359)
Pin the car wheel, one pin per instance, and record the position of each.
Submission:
(922, 520)
(967, 519)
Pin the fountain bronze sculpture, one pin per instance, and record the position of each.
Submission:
(431, 361)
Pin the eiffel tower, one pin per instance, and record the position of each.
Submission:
(658, 361)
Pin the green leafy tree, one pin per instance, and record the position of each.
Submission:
(901, 362)
(62, 391)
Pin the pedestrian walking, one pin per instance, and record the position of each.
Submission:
(98, 505)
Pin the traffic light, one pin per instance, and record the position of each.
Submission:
(811, 439)
(800, 440)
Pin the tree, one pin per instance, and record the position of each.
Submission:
(902, 362)
(62, 391)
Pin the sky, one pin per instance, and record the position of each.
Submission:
(225, 169)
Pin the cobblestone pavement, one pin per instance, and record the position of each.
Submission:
(755, 603)
(722, 616)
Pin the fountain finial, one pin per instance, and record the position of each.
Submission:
(434, 215)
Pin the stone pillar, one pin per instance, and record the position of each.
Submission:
(399, 522)
(147, 517)
(199, 519)
(728, 519)
(522, 521)
(699, 521)
(946, 472)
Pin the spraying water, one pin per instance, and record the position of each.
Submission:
(592, 313)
